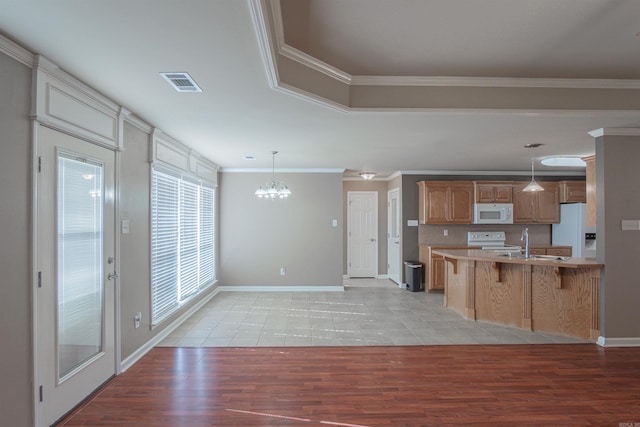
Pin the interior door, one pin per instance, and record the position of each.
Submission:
(74, 300)
(362, 231)
(393, 241)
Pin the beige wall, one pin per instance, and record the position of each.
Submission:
(381, 188)
(258, 237)
(15, 257)
(618, 199)
(135, 247)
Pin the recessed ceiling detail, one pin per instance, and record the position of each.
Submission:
(182, 82)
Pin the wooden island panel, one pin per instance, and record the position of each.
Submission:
(565, 310)
(499, 302)
(560, 297)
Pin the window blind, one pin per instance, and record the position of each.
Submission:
(183, 240)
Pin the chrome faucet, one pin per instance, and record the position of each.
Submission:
(525, 237)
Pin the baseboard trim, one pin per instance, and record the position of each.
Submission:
(618, 342)
(136, 355)
(336, 288)
(382, 276)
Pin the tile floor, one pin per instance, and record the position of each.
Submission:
(368, 312)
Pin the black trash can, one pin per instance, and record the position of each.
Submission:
(413, 276)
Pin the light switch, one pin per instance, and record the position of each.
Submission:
(124, 226)
(412, 223)
(334, 223)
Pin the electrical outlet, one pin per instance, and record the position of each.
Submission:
(283, 271)
(137, 319)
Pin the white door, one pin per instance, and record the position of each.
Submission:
(362, 229)
(393, 240)
(74, 300)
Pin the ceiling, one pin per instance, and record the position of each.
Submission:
(252, 104)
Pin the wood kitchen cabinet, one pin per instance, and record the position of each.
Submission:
(445, 202)
(591, 190)
(434, 266)
(539, 207)
(572, 191)
(493, 191)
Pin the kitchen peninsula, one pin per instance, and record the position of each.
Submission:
(551, 294)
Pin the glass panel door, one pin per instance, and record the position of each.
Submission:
(80, 236)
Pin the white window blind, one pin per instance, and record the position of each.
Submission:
(182, 240)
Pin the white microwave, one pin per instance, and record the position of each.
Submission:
(493, 213)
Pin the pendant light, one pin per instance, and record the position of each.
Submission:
(533, 185)
(274, 189)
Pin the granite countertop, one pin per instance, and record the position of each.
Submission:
(480, 255)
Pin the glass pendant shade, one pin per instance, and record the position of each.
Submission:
(533, 185)
(274, 189)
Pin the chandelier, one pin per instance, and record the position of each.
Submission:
(274, 189)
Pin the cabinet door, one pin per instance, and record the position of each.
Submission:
(548, 206)
(572, 191)
(422, 200)
(524, 205)
(436, 272)
(503, 193)
(436, 204)
(461, 204)
(484, 193)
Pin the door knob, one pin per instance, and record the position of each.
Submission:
(112, 276)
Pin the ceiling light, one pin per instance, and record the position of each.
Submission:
(564, 161)
(274, 189)
(367, 175)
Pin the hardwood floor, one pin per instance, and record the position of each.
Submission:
(498, 385)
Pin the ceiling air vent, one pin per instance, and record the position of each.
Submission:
(182, 82)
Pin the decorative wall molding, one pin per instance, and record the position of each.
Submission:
(169, 151)
(265, 170)
(63, 102)
(15, 51)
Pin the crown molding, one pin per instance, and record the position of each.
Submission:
(315, 64)
(284, 170)
(496, 172)
(15, 51)
(262, 28)
(615, 132)
(508, 82)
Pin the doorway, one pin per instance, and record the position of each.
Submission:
(75, 298)
(362, 233)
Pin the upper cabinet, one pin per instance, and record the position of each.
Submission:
(445, 202)
(572, 191)
(591, 190)
(493, 191)
(536, 207)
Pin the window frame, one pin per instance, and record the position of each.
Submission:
(177, 296)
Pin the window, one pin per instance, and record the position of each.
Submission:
(182, 239)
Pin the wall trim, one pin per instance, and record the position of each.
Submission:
(382, 276)
(615, 132)
(618, 342)
(144, 349)
(331, 288)
(291, 170)
(15, 51)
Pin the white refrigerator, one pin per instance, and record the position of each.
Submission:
(573, 231)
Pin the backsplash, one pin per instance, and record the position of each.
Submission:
(539, 234)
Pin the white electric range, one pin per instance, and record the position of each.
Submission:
(490, 240)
